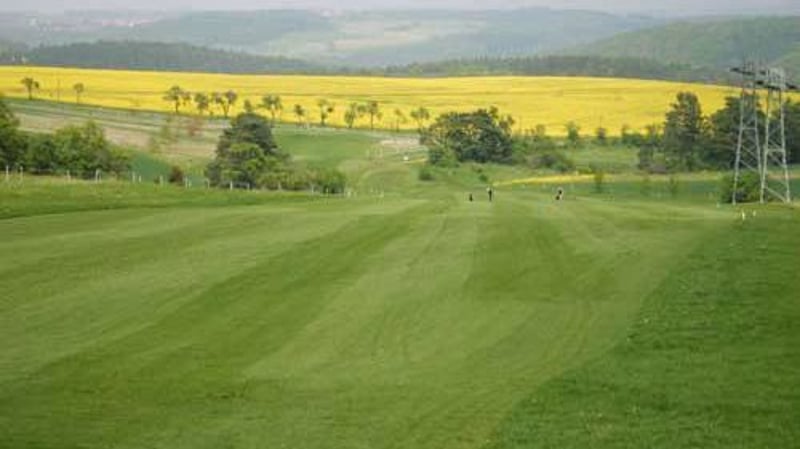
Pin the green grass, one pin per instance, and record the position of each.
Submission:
(139, 316)
(40, 196)
(712, 360)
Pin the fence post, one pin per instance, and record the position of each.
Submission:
(6, 173)
(21, 172)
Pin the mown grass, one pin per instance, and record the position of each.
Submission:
(712, 360)
(46, 195)
(168, 318)
(138, 315)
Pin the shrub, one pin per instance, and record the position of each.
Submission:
(331, 181)
(176, 175)
(599, 177)
(748, 190)
(425, 173)
(673, 185)
(554, 160)
(573, 134)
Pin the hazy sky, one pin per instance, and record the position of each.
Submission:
(777, 7)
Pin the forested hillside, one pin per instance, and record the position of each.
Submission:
(554, 65)
(354, 38)
(718, 43)
(160, 56)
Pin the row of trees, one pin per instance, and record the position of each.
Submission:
(79, 150)
(273, 105)
(32, 86)
(688, 140)
(561, 65)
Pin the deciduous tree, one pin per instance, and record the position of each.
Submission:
(79, 89)
(274, 105)
(31, 85)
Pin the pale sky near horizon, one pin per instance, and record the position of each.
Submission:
(688, 7)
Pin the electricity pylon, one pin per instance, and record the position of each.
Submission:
(774, 168)
(748, 145)
(764, 154)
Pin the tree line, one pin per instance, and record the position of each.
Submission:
(371, 111)
(562, 65)
(183, 57)
(80, 151)
(156, 56)
(687, 139)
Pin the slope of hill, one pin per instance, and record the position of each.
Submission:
(564, 65)
(9, 46)
(365, 38)
(174, 57)
(718, 43)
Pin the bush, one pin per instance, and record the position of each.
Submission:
(554, 160)
(601, 136)
(176, 175)
(748, 191)
(425, 173)
(330, 181)
(573, 134)
(42, 155)
(599, 179)
(673, 185)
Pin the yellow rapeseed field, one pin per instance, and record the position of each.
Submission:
(550, 101)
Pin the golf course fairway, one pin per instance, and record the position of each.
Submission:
(416, 320)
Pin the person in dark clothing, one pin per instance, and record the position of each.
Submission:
(470, 197)
(490, 191)
(560, 194)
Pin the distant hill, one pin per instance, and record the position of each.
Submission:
(559, 65)
(717, 43)
(8, 46)
(180, 57)
(353, 38)
(160, 56)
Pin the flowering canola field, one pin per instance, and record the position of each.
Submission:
(549, 101)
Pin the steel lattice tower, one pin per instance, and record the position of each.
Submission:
(774, 168)
(764, 155)
(748, 146)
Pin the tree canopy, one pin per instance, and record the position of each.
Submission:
(245, 150)
(480, 136)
